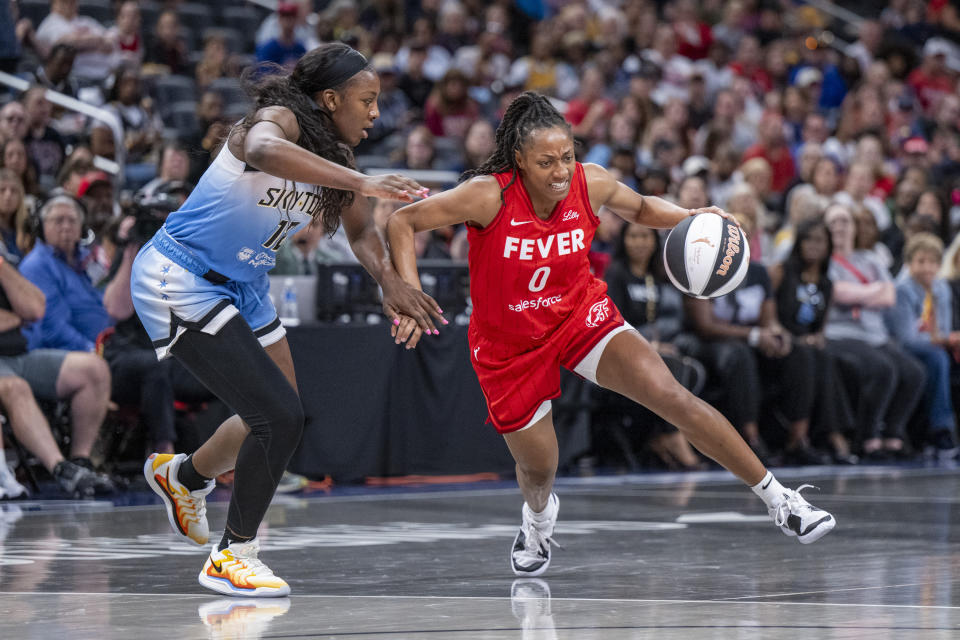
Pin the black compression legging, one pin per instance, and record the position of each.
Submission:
(234, 366)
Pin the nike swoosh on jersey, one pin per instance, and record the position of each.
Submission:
(514, 223)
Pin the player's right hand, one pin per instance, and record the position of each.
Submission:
(401, 299)
(393, 186)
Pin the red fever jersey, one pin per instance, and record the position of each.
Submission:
(536, 305)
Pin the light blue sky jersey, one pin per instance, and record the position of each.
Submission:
(236, 219)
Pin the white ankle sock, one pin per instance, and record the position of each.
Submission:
(545, 515)
(769, 490)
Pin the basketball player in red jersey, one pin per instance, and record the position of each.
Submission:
(530, 211)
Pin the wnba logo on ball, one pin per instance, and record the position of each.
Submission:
(732, 249)
(599, 312)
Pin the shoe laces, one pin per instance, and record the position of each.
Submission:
(246, 556)
(794, 503)
(534, 541)
(193, 504)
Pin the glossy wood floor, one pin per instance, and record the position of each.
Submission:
(655, 556)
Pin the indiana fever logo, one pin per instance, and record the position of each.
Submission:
(732, 248)
(599, 312)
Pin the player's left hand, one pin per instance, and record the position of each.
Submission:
(406, 331)
(717, 210)
(393, 186)
(401, 299)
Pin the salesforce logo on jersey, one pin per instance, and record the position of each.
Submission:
(261, 259)
(523, 305)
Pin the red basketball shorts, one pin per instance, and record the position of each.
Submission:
(519, 379)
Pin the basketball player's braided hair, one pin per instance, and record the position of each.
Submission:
(528, 112)
(268, 86)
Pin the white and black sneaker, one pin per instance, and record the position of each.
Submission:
(530, 555)
(797, 517)
(530, 603)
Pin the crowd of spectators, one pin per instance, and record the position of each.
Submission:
(835, 143)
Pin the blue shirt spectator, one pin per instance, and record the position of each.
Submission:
(75, 314)
(285, 49)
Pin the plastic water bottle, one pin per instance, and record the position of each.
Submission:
(289, 311)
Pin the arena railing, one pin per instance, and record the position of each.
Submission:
(113, 167)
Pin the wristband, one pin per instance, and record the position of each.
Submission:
(753, 338)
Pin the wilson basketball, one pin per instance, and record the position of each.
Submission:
(706, 255)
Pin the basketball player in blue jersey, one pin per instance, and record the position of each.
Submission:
(200, 286)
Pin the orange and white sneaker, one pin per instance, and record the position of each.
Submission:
(186, 510)
(236, 571)
(232, 618)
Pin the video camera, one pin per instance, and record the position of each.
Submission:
(150, 209)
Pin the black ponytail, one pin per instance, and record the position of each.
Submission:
(319, 69)
(528, 112)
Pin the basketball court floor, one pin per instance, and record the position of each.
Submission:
(645, 556)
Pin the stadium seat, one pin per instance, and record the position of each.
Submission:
(236, 43)
(231, 90)
(245, 20)
(35, 10)
(183, 117)
(149, 13)
(100, 10)
(171, 89)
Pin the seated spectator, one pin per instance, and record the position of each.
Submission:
(138, 378)
(392, 102)
(802, 205)
(418, 150)
(773, 148)
(75, 315)
(868, 239)
(13, 121)
(803, 292)
(742, 339)
(94, 44)
(620, 132)
(126, 33)
(82, 379)
(450, 110)
(174, 167)
(284, 49)
(55, 72)
(857, 193)
(212, 128)
(887, 381)
(922, 322)
(638, 286)
(216, 61)
(45, 146)
(166, 51)
(590, 110)
(13, 217)
(413, 80)
(13, 158)
(479, 144)
(142, 129)
(744, 202)
(543, 70)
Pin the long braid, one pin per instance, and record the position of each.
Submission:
(528, 112)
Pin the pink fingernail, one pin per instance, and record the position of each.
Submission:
(445, 321)
(439, 310)
(436, 332)
(396, 321)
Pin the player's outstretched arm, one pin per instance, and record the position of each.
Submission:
(270, 146)
(399, 298)
(649, 211)
(477, 201)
